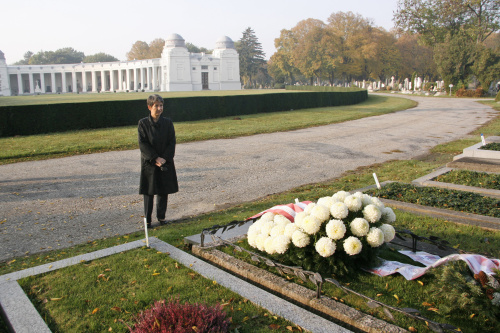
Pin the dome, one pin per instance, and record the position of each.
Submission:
(224, 43)
(175, 40)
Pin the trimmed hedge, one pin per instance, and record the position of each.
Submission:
(50, 118)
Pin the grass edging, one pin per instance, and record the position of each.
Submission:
(326, 306)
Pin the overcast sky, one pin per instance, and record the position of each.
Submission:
(112, 26)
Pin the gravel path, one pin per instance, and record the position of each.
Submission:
(62, 202)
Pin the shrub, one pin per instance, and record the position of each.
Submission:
(165, 317)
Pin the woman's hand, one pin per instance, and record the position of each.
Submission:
(160, 161)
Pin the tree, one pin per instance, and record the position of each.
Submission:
(456, 29)
(139, 51)
(156, 48)
(26, 59)
(66, 55)
(195, 49)
(415, 57)
(99, 57)
(251, 56)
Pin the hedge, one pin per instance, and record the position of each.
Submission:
(50, 118)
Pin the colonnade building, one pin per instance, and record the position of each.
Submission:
(176, 70)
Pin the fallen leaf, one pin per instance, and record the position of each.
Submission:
(115, 308)
(412, 329)
(166, 269)
(154, 274)
(194, 328)
(434, 309)
(421, 283)
(290, 328)
(245, 319)
(472, 315)
(378, 295)
(56, 299)
(274, 326)
(177, 266)
(95, 310)
(427, 304)
(396, 297)
(214, 282)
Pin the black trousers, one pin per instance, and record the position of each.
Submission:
(161, 206)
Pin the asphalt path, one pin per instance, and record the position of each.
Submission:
(62, 202)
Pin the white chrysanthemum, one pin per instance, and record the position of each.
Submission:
(281, 244)
(359, 194)
(266, 228)
(278, 230)
(339, 210)
(325, 247)
(371, 213)
(300, 239)
(366, 200)
(359, 227)
(280, 220)
(254, 228)
(326, 201)
(269, 245)
(259, 242)
(311, 224)
(352, 246)
(377, 202)
(388, 215)
(321, 212)
(388, 231)
(335, 229)
(290, 229)
(269, 216)
(341, 195)
(353, 203)
(252, 238)
(375, 237)
(309, 208)
(299, 217)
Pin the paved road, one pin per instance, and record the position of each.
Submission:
(58, 203)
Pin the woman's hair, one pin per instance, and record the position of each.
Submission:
(152, 99)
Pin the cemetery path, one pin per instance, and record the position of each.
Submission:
(62, 202)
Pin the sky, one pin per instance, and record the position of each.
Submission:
(113, 26)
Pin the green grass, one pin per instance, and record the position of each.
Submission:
(37, 147)
(77, 298)
(122, 271)
(471, 178)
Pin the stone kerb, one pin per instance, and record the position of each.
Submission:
(474, 151)
(292, 291)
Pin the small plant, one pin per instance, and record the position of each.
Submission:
(172, 316)
(491, 146)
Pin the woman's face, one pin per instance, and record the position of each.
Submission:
(156, 110)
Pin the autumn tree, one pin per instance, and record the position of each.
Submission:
(251, 56)
(139, 51)
(415, 57)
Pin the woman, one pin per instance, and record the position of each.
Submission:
(157, 145)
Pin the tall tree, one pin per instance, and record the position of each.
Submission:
(251, 56)
(156, 48)
(139, 51)
(99, 57)
(415, 57)
(456, 29)
(26, 59)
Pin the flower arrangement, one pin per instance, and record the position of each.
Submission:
(332, 235)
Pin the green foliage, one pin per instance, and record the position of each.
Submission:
(471, 178)
(99, 57)
(251, 56)
(49, 118)
(491, 146)
(441, 198)
(457, 292)
(66, 55)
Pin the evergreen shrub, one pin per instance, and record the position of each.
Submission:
(50, 118)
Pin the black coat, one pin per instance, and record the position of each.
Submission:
(157, 140)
